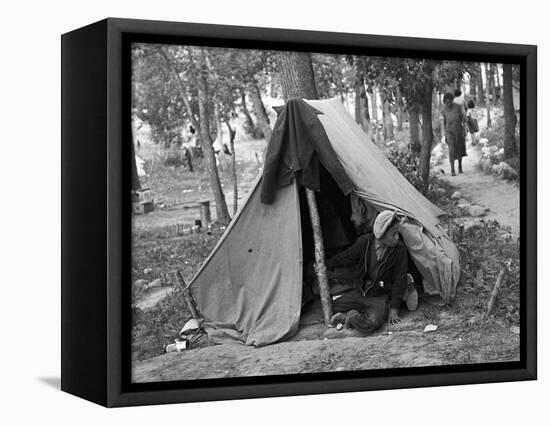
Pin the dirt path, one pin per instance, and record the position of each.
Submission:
(477, 187)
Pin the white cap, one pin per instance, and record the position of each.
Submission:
(383, 222)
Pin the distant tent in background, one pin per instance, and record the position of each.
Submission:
(250, 287)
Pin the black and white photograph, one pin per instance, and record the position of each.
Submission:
(316, 212)
(233, 213)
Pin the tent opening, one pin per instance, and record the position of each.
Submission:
(335, 211)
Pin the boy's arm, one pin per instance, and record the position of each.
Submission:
(349, 256)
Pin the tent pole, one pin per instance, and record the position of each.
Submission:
(320, 267)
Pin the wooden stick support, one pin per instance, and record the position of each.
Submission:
(496, 290)
(320, 267)
(187, 296)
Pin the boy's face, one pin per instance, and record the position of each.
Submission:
(391, 237)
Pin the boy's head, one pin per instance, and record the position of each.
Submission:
(386, 228)
(458, 92)
(471, 104)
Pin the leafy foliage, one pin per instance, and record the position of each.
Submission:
(408, 165)
(484, 249)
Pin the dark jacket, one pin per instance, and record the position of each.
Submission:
(392, 269)
(298, 143)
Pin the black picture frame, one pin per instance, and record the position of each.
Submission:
(96, 213)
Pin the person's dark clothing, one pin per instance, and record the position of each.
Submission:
(387, 277)
(366, 314)
(453, 120)
(297, 144)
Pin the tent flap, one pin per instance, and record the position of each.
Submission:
(251, 287)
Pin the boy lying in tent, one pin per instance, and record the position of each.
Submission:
(380, 282)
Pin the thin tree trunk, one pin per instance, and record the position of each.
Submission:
(427, 135)
(399, 104)
(413, 128)
(250, 126)
(259, 111)
(498, 89)
(232, 133)
(374, 104)
(388, 122)
(473, 86)
(358, 112)
(493, 84)
(479, 82)
(487, 95)
(510, 148)
(218, 119)
(365, 106)
(206, 144)
(298, 81)
(361, 105)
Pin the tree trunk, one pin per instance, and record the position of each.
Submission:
(473, 86)
(479, 82)
(374, 103)
(399, 104)
(361, 105)
(413, 127)
(487, 95)
(510, 148)
(250, 126)
(206, 144)
(388, 122)
(259, 110)
(358, 112)
(298, 81)
(493, 84)
(232, 133)
(365, 106)
(218, 119)
(297, 78)
(427, 135)
(498, 86)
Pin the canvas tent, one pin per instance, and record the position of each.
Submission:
(250, 288)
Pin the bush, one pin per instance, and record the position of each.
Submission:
(484, 249)
(495, 135)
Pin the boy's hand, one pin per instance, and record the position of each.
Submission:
(393, 318)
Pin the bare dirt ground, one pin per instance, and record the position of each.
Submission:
(462, 336)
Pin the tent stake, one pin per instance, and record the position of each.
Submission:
(320, 267)
(495, 292)
(191, 305)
